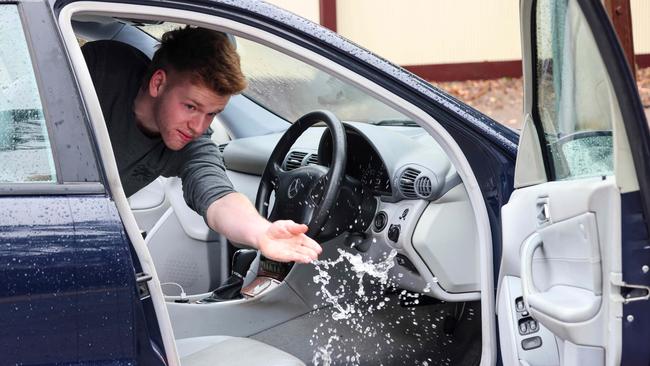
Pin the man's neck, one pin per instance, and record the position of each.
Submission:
(143, 111)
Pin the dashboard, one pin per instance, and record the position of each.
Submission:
(420, 207)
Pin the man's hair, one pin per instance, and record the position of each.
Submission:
(207, 56)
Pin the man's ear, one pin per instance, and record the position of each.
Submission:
(157, 82)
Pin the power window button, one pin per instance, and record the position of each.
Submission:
(519, 304)
(523, 328)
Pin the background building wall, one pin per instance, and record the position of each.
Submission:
(446, 40)
(641, 26)
(433, 31)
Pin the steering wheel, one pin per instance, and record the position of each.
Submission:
(306, 194)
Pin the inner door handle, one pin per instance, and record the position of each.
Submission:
(529, 247)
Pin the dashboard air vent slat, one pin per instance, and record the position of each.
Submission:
(294, 160)
(407, 182)
(313, 159)
(423, 186)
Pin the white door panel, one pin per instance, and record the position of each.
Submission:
(184, 249)
(510, 319)
(556, 262)
(565, 200)
(567, 254)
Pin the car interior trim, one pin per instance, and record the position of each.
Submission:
(561, 265)
(453, 212)
(529, 169)
(441, 136)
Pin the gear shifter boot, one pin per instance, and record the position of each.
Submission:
(230, 290)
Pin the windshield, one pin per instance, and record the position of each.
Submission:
(291, 88)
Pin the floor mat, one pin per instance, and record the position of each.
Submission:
(384, 333)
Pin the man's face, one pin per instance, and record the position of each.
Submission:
(183, 110)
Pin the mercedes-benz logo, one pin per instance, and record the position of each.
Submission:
(294, 187)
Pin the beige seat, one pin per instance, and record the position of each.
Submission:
(231, 351)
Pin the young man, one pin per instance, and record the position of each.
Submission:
(158, 115)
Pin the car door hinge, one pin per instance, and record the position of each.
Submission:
(630, 293)
(141, 280)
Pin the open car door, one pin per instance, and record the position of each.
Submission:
(575, 267)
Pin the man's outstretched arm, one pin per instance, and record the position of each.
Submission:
(234, 216)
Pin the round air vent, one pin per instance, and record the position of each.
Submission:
(423, 186)
(415, 183)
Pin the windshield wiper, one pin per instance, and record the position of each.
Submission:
(396, 122)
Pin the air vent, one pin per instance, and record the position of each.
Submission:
(407, 182)
(313, 159)
(222, 147)
(423, 186)
(294, 160)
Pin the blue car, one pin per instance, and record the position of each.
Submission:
(448, 239)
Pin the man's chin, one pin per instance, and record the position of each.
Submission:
(175, 145)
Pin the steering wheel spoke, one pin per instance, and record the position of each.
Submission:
(275, 172)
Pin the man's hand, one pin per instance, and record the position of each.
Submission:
(234, 216)
(285, 241)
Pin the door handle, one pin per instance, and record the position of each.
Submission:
(563, 303)
(528, 250)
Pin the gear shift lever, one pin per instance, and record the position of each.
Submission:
(241, 262)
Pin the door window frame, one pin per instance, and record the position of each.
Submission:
(550, 150)
(624, 90)
(71, 141)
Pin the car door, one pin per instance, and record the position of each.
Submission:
(68, 292)
(573, 279)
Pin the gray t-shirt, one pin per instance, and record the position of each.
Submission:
(117, 70)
